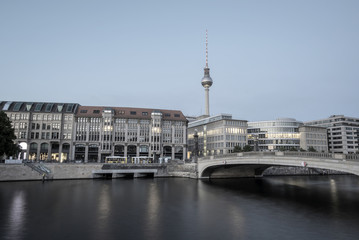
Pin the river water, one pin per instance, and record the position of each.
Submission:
(325, 207)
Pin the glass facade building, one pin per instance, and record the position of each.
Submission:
(280, 134)
(217, 135)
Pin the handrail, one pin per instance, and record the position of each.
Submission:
(40, 168)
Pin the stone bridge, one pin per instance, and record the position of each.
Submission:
(252, 164)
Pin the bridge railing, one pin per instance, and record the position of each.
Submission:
(309, 154)
(352, 157)
(291, 154)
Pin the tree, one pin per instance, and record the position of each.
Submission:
(237, 149)
(293, 149)
(311, 149)
(247, 148)
(7, 137)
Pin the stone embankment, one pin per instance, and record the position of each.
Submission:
(60, 171)
(298, 171)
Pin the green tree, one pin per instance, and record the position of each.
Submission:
(7, 137)
(311, 149)
(293, 149)
(247, 148)
(237, 149)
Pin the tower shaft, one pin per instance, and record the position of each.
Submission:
(207, 100)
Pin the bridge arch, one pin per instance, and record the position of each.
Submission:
(253, 164)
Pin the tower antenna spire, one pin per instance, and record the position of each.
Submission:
(207, 80)
(206, 48)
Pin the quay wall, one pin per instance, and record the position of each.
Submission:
(21, 172)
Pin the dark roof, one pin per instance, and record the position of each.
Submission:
(9, 106)
(127, 112)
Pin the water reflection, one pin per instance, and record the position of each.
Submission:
(16, 220)
(103, 207)
(152, 211)
(270, 208)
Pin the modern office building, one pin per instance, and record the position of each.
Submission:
(342, 133)
(217, 134)
(313, 137)
(280, 134)
(68, 131)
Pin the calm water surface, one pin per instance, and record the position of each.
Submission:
(267, 208)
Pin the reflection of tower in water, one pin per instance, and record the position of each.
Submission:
(206, 80)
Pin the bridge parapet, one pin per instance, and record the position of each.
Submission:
(352, 157)
(246, 163)
(312, 154)
(286, 154)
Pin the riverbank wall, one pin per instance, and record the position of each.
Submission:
(62, 171)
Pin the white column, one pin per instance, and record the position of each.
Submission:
(207, 100)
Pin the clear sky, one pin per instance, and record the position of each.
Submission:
(268, 58)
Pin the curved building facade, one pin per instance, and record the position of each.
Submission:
(279, 134)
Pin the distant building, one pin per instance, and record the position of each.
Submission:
(217, 134)
(68, 131)
(315, 137)
(342, 133)
(280, 134)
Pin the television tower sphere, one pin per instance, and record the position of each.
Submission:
(206, 80)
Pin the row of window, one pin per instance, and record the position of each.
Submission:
(122, 112)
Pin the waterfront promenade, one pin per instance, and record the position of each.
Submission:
(251, 164)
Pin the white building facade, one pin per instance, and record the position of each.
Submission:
(313, 137)
(342, 133)
(217, 135)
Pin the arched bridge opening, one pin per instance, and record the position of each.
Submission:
(234, 171)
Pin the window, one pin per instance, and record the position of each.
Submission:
(96, 111)
(121, 112)
(177, 115)
(167, 115)
(133, 113)
(49, 107)
(83, 111)
(38, 107)
(6, 106)
(144, 113)
(17, 106)
(70, 107)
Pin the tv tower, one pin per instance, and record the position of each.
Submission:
(206, 80)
